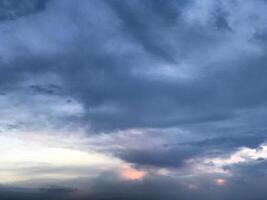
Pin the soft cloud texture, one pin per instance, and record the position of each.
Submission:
(172, 91)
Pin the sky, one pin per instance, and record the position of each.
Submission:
(133, 99)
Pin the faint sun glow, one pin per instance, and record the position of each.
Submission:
(220, 181)
(129, 173)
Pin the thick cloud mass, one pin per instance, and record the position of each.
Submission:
(138, 64)
(188, 76)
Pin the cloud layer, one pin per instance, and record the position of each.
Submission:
(168, 88)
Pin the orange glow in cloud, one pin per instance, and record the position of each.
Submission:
(220, 181)
(132, 174)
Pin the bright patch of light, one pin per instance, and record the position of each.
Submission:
(218, 164)
(220, 181)
(243, 155)
(130, 173)
(49, 157)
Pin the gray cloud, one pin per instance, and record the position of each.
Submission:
(93, 74)
(10, 10)
(52, 192)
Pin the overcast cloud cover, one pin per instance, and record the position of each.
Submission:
(133, 99)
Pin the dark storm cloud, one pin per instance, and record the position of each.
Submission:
(174, 155)
(160, 156)
(105, 82)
